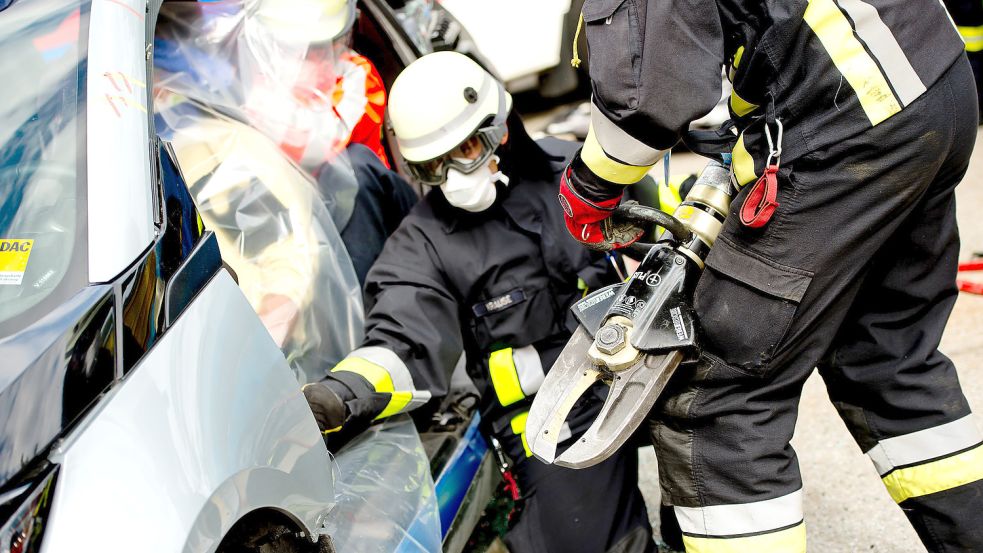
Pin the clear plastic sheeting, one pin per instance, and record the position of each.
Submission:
(279, 67)
(385, 493)
(274, 231)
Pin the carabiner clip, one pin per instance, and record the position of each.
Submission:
(774, 152)
(761, 202)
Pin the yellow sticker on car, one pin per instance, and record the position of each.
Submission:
(14, 255)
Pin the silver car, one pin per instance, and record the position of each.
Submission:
(143, 405)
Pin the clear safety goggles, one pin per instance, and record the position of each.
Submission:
(467, 157)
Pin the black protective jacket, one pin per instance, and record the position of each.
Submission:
(828, 69)
(495, 285)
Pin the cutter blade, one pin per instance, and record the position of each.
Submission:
(571, 376)
(633, 393)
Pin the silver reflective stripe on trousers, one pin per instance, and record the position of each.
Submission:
(620, 145)
(925, 445)
(741, 519)
(400, 375)
(529, 368)
(885, 48)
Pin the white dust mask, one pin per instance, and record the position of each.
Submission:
(474, 191)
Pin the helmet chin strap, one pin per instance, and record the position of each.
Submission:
(499, 176)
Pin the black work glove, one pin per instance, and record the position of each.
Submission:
(328, 408)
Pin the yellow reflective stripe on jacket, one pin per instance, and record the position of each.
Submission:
(855, 64)
(380, 380)
(519, 428)
(669, 198)
(973, 37)
(606, 167)
(377, 375)
(516, 373)
(791, 540)
(397, 403)
(737, 57)
(505, 377)
(736, 64)
(742, 163)
(740, 106)
(935, 476)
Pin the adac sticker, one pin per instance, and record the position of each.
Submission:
(13, 260)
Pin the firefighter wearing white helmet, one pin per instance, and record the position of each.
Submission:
(310, 91)
(448, 135)
(307, 21)
(488, 271)
(286, 67)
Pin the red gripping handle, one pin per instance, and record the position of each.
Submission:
(760, 203)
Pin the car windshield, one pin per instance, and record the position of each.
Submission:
(42, 60)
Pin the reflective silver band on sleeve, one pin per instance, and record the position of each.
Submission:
(400, 375)
(529, 367)
(924, 445)
(619, 144)
(836, 34)
(884, 46)
(741, 519)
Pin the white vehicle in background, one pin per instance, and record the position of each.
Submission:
(527, 44)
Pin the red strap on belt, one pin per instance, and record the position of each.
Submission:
(511, 486)
(760, 204)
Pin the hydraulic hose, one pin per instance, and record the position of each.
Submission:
(645, 216)
(696, 222)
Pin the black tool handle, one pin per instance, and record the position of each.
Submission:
(647, 217)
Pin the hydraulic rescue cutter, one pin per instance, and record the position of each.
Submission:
(633, 335)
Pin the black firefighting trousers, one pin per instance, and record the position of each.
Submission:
(594, 510)
(854, 275)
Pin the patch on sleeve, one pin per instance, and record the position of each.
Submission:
(500, 303)
(14, 255)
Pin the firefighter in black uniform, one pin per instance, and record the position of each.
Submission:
(855, 120)
(484, 266)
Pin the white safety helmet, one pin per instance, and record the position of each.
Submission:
(306, 21)
(436, 104)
